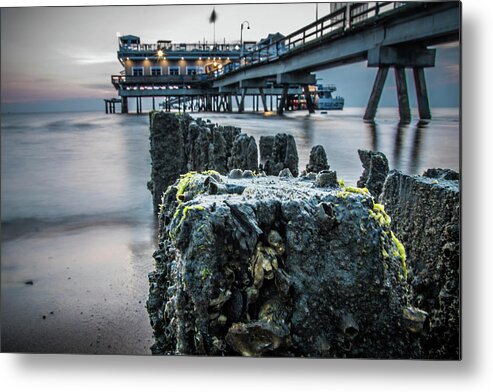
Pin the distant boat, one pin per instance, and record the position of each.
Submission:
(324, 99)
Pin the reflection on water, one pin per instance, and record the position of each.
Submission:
(306, 134)
(77, 216)
(411, 148)
(400, 134)
(412, 164)
(373, 130)
(421, 127)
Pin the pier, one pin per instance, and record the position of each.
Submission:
(280, 69)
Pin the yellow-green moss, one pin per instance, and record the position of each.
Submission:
(378, 213)
(186, 179)
(205, 273)
(353, 189)
(401, 253)
(184, 212)
(183, 184)
(186, 209)
(347, 190)
(210, 173)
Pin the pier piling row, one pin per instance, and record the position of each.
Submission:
(263, 99)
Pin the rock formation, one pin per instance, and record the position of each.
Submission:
(266, 145)
(318, 160)
(280, 267)
(425, 213)
(283, 154)
(376, 168)
(180, 144)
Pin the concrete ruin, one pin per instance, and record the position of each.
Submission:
(279, 267)
(425, 212)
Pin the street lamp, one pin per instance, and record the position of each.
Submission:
(241, 35)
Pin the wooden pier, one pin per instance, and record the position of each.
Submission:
(110, 105)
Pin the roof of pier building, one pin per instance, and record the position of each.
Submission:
(132, 48)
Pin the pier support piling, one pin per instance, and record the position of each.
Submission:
(284, 97)
(241, 109)
(402, 95)
(264, 99)
(237, 102)
(421, 93)
(309, 102)
(230, 103)
(376, 93)
(124, 105)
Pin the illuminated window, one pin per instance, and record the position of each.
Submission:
(173, 70)
(195, 70)
(137, 71)
(156, 71)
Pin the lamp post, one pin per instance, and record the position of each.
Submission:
(241, 35)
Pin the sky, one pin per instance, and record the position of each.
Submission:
(61, 58)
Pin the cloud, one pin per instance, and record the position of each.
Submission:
(21, 88)
(95, 59)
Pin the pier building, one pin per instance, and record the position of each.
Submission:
(179, 73)
(387, 35)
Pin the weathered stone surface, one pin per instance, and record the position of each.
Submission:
(376, 168)
(284, 155)
(266, 145)
(326, 178)
(180, 144)
(279, 267)
(244, 154)
(318, 160)
(425, 216)
(445, 174)
(167, 152)
(285, 173)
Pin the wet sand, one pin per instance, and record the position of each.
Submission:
(88, 292)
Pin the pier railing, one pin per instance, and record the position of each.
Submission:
(186, 47)
(331, 25)
(126, 80)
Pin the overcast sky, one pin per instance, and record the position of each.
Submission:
(63, 57)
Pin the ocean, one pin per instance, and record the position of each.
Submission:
(78, 229)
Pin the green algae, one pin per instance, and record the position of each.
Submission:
(183, 184)
(183, 211)
(205, 273)
(210, 173)
(348, 190)
(187, 179)
(401, 253)
(378, 213)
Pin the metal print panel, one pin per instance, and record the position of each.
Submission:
(230, 182)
